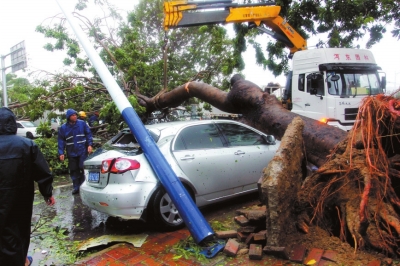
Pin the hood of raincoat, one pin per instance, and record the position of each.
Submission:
(70, 112)
(8, 122)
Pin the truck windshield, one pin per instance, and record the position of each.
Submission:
(353, 84)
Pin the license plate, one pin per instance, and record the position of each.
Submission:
(94, 177)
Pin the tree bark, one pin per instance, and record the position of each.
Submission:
(259, 109)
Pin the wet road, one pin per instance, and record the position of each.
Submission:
(69, 221)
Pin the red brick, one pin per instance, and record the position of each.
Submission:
(247, 229)
(255, 252)
(388, 261)
(324, 262)
(231, 248)
(242, 236)
(149, 261)
(256, 215)
(226, 234)
(249, 239)
(280, 252)
(374, 263)
(259, 236)
(298, 253)
(119, 251)
(314, 255)
(329, 255)
(241, 220)
(136, 259)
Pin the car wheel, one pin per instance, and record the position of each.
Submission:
(164, 211)
(29, 135)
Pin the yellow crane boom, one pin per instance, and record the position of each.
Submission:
(185, 13)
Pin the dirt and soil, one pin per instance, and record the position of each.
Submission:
(322, 239)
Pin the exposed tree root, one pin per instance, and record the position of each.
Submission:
(361, 179)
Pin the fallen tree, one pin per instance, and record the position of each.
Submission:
(356, 184)
(259, 109)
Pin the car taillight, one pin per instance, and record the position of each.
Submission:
(118, 166)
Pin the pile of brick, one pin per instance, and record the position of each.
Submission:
(250, 239)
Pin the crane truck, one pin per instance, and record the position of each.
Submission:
(325, 84)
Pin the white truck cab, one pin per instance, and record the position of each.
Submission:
(328, 84)
(325, 84)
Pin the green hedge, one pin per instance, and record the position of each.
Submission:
(49, 148)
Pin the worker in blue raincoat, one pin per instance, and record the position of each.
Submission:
(76, 138)
(21, 164)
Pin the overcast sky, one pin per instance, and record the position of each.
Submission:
(19, 18)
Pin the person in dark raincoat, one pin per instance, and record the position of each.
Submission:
(75, 137)
(21, 163)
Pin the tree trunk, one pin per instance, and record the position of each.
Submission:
(355, 187)
(259, 109)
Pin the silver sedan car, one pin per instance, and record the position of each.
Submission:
(215, 160)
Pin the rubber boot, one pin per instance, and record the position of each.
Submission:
(75, 184)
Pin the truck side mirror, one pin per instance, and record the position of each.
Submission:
(335, 78)
(383, 82)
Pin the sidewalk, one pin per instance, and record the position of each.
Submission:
(158, 250)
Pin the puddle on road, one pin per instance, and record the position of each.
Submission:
(69, 223)
(80, 221)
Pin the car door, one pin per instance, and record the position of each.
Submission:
(250, 153)
(200, 152)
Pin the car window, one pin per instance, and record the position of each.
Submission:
(19, 125)
(198, 137)
(28, 124)
(238, 135)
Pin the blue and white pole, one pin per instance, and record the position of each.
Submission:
(194, 220)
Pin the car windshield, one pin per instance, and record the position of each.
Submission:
(27, 124)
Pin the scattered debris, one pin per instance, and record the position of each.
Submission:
(136, 240)
(231, 247)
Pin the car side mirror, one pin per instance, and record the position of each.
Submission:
(270, 140)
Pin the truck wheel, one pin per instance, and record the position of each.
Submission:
(29, 135)
(164, 211)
